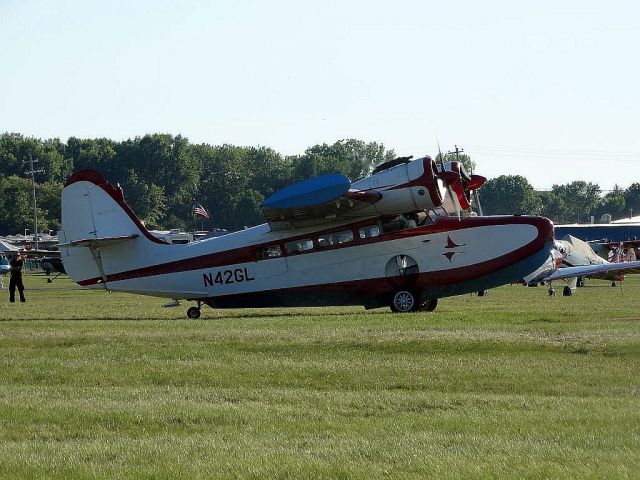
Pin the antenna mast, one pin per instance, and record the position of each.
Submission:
(32, 173)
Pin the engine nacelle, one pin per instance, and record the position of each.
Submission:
(407, 187)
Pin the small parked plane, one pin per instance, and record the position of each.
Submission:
(573, 260)
(52, 264)
(386, 239)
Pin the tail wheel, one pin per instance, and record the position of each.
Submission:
(429, 305)
(404, 301)
(193, 313)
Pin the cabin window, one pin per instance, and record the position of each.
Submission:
(272, 251)
(328, 239)
(369, 231)
(436, 213)
(298, 246)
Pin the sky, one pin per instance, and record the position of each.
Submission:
(548, 90)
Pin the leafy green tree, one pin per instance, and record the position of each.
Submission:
(463, 158)
(98, 154)
(225, 174)
(553, 206)
(353, 158)
(48, 198)
(509, 194)
(16, 207)
(612, 203)
(247, 210)
(632, 199)
(267, 170)
(580, 198)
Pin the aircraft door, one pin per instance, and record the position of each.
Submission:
(401, 266)
(271, 262)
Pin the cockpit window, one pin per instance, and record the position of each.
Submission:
(436, 213)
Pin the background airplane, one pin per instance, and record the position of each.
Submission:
(52, 264)
(384, 240)
(572, 260)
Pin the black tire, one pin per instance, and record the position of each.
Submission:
(193, 313)
(566, 291)
(404, 301)
(429, 305)
(483, 293)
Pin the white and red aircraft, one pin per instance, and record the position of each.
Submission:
(572, 260)
(384, 240)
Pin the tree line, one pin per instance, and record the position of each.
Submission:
(574, 202)
(163, 175)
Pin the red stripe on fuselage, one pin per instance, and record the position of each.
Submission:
(250, 253)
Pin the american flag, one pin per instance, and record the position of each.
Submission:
(199, 210)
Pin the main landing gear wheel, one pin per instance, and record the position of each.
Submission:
(429, 305)
(566, 291)
(193, 313)
(404, 301)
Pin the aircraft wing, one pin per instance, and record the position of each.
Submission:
(315, 201)
(592, 270)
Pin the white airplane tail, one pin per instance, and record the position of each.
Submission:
(100, 233)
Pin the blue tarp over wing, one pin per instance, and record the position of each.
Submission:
(309, 192)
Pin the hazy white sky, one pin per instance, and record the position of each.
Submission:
(545, 89)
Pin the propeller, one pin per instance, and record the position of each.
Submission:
(448, 177)
(473, 187)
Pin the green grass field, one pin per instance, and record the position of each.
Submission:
(513, 385)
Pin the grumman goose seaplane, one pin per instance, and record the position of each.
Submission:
(385, 240)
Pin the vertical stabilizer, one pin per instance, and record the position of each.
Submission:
(100, 233)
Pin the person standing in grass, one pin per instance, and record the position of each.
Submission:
(16, 265)
(3, 261)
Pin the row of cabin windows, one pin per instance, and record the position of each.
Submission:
(323, 240)
(401, 222)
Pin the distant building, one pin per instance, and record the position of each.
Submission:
(616, 231)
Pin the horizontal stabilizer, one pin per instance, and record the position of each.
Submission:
(100, 242)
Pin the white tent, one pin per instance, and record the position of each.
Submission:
(7, 247)
(633, 220)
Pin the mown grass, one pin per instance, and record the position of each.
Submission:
(514, 385)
